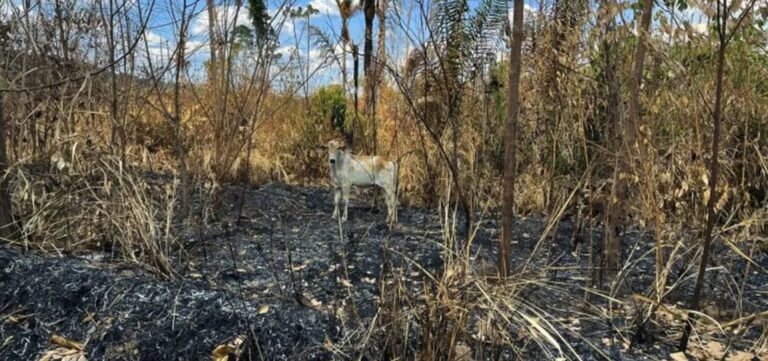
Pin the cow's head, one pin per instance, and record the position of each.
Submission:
(335, 150)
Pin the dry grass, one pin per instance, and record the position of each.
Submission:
(96, 203)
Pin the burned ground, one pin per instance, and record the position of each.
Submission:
(274, 267)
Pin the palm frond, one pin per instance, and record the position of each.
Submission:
(323, 43)
(484, 31)
(465, 38)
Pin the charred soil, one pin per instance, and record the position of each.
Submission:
(275, 269)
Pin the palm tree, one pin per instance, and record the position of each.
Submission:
(440, 70)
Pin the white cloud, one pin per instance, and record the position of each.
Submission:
(329, 7)
(158, 49)
(195, 47)
(225, 17)
(154, 39)
(325, 7)
(287, 51)
(278, 20)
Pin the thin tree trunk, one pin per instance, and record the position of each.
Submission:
(617, 210)
(214, 42)
(355, 77)
(113, 82)
(7, 226)
(176, 121)
(369, 10)
(510, 138)
(213, 80)
(613, 110)
(714, 171)
(378, 66)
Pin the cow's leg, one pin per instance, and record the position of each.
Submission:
(388, 201)
(336, 200)
(391, 206)
(345, 196)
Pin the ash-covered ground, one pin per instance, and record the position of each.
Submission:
(278, 271)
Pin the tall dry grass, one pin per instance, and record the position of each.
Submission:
(91, 201)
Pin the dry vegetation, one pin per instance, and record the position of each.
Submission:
(112, 143)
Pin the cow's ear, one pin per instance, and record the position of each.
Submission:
(343, 146)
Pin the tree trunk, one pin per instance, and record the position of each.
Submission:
(214, 43)
(606, 133)
(213, 80)
(176, 121)
(369, 9)
(619, 192)
(510, 146)
(714, 170)
(7, 226)
(378, 65)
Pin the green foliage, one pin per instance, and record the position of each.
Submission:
(329, 102)
(321, 122)
(244, 38)
(300, 12)
(261, 21)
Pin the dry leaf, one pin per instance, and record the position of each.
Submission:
(63, 354)
(309, 301)
(715, 350)
(69, 350)
(679, 356)
(19, 317)
(346, 283)
(264, 309)
(89, 316)
(222, 352)
(61, 341)
(328, 344)
(368, 280)
(195, 275)
(298, 268)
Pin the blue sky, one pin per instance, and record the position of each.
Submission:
(163, 23)
(293, 31)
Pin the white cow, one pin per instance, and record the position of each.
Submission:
(349, 170)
